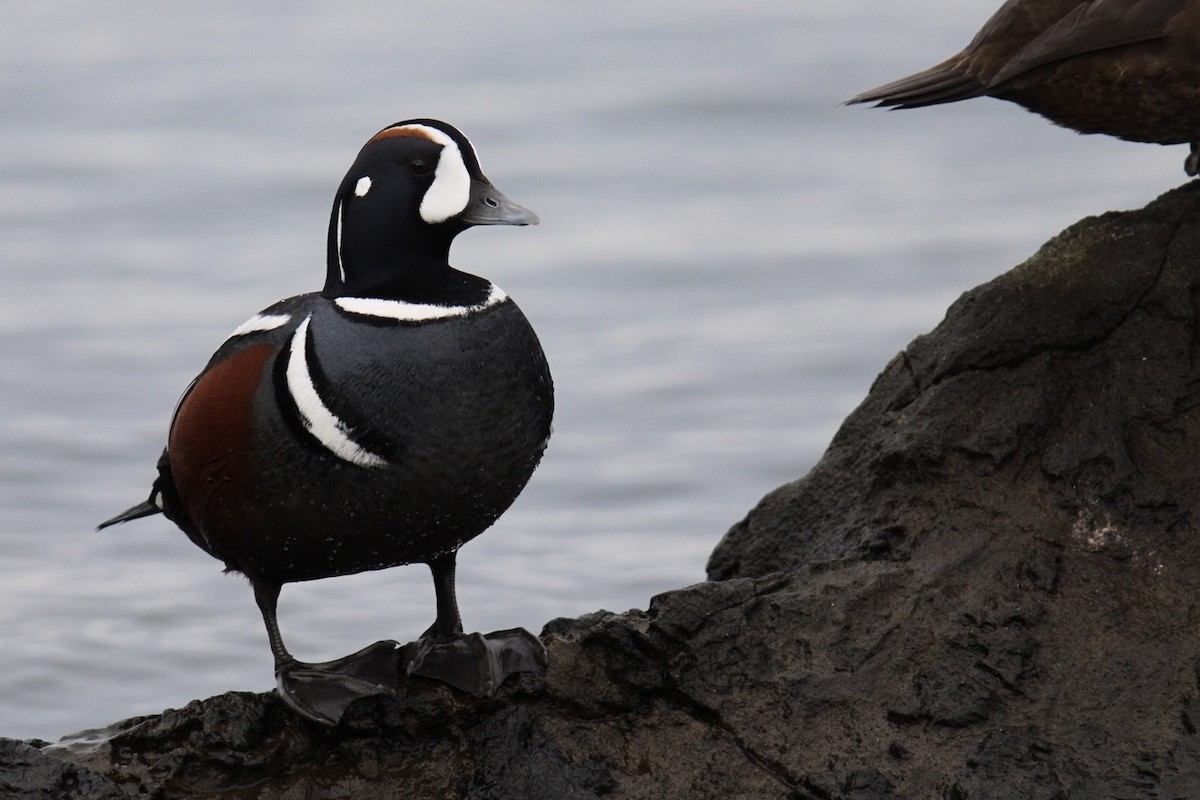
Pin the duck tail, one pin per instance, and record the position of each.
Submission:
(934, 86)
(142, 509)
(163, 498)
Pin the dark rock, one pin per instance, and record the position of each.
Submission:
(987, 588)
(27, 772)
(1029, 467)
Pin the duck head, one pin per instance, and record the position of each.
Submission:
(414, 186)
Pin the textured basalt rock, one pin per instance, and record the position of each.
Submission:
(27, 772)
(987, 588)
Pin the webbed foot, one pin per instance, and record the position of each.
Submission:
(322, 692)
(474, 662)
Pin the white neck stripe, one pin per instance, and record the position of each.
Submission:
(338, 243)
(331, 432)
(415, 312)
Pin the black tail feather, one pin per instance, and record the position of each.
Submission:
(162, 495)
(142, 509)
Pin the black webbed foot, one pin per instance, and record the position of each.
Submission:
(474, 662)
(323, 692)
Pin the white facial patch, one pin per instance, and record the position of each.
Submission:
(261, 322)
(331, 432)
(415, 312)
(451, 188)
(362, 187)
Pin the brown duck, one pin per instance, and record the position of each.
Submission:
(1128, 68)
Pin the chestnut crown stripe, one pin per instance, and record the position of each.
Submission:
(327, 428)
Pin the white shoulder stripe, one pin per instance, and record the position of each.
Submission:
(322, 423)
(261, 322)
(415, 312)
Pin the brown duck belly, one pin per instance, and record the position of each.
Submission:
(1137, 98)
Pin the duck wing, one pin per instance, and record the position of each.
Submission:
(1089, 27)
(967, 74)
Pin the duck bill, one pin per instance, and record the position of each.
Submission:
(488, 206)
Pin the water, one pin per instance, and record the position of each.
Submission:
(727, 258)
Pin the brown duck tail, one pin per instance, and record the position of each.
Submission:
(936, 85)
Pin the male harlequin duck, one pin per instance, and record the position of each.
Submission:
(385, 420)
(1128, 68)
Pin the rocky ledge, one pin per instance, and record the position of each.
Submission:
(987, 588)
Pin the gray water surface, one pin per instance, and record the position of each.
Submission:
(727, 258)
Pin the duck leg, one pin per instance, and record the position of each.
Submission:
(474, 662)
(322, 692)
(1192, 164)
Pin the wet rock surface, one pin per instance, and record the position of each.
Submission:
(985, 589)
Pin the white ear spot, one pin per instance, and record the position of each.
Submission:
(362, 187)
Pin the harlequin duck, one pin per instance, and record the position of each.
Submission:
(386, 420)
(1128, 68)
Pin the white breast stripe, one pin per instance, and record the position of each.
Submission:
(322, 423)
(415, 312)
(261, 322)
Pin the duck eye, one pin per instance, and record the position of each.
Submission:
(420, 166)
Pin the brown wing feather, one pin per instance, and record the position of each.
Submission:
(1091, 27)
(940, 84)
